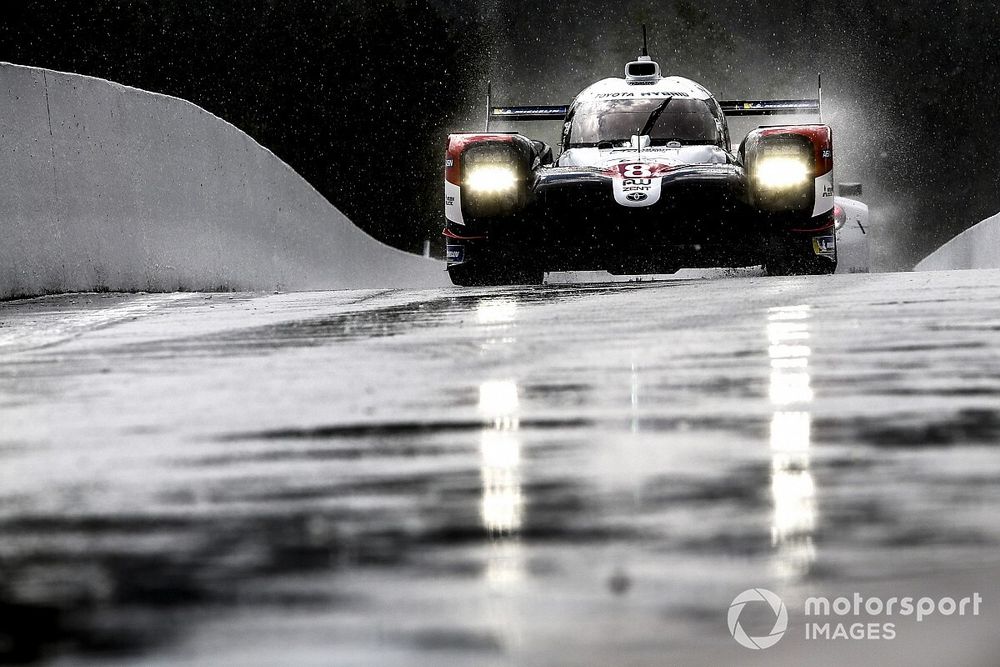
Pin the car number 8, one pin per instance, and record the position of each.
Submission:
(637, 171)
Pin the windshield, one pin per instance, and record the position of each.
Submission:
(615, 121)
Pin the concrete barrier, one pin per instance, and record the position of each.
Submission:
(103, 186)
(978, 247)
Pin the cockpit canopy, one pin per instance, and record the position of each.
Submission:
(610, 123)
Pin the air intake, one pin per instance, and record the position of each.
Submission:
(643, 70)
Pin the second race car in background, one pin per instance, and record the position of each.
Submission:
(851, 221)
(646, 182)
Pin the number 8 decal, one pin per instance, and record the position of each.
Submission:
(637, 171)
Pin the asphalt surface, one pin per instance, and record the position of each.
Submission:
(567, 474)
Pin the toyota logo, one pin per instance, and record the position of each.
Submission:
(636, 196)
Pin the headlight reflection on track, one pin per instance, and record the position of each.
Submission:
(497, 318)
(496, 311)
(500, 472)
(501, 504)
(793, 489)
(789, 360)
(500, 452)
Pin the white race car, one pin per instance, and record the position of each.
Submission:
(647, 181)
(853, 232)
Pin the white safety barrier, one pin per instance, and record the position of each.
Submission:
(978, 247)
(103, 186)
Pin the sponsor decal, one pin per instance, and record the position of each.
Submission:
(453, 203)
(529, 111)
(824, 245)
(823, 194)
(641, 93)
(449, 162)
(637, 183)
(826, 153)
(758, 105)
(455, 253)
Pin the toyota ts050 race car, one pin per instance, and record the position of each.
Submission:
(646, 182)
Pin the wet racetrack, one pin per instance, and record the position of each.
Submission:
(570, 474)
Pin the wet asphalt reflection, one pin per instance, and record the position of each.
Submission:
(394, 477)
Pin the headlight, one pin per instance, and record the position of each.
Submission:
(489, 179)
(781, 172)
(839, 217)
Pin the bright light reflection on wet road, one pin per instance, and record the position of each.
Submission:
(792, 485)
(471, 476)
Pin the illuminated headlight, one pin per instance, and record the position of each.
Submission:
(781, 172)
(489, 179)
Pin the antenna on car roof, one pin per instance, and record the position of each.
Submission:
(642, 70)
(819, 95)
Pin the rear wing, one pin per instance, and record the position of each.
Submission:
(770, 107)
(812, 105)
(554, 112)
(729, 107)
(777, 107)
(522, 113)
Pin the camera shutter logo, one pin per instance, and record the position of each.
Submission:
(780, 620)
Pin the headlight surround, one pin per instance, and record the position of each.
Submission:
(491, 178)
(781, 165)
(781, 172)
(494, 179)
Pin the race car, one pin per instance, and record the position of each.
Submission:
(646, 182)
(853, 230)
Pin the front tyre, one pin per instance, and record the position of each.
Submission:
(800, 255)
(483, 273)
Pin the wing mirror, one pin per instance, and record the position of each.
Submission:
(849, 189)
